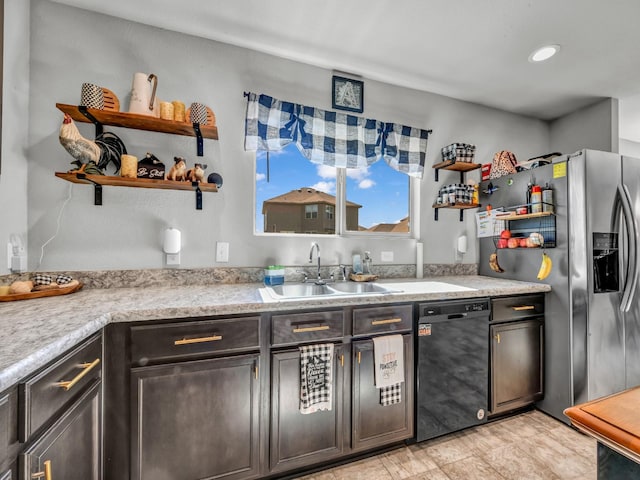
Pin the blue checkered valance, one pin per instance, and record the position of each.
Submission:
(332, 138)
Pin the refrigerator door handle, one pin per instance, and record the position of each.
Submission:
(631, 280)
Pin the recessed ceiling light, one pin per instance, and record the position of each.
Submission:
(544, 53)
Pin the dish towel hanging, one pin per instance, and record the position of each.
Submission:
(316, 376)
(388, 355)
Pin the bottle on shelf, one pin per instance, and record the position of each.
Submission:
(536, 199)
(547, 198)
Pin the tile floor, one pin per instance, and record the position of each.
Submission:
(531, 445)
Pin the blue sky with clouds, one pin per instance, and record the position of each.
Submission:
(382, 191)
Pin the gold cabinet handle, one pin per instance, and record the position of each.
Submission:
(497, 337)
(359, 357)
(255, 371)
(342, 360)
(68, 384)
(524, 307)
(311, 329)
(189, 341)
(386, 321)
(46, 473)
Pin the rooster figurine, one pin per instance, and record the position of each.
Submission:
(90, 156)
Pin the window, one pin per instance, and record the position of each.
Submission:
(291, 192)
(329, 211)
(311, 211)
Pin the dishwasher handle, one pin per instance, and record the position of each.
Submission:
(453, 316)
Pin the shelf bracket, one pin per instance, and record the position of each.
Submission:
(436, 174)
(196, 129)
(97, 188)
(435, 214)
(196, 185)
(99, 127)
(461, 215)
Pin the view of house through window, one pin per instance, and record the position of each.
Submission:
(294, 195)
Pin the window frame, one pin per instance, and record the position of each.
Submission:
(340, 217)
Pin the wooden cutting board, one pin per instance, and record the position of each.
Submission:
(43, 293)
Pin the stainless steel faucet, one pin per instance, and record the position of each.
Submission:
(319, 280)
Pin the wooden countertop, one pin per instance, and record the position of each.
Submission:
(614, 421)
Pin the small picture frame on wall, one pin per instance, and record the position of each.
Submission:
(347, 94)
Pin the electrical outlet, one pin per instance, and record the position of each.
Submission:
(222, 251)
(386, 256)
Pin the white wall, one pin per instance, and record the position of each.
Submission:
(15, 125)
(629, 148)
(594, 127)
(71, 46)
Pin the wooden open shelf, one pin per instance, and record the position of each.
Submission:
(98, 181)
(457, 166)
(138, 122)
(457, 206)
(461, 167)
(135, 182)
(514, 216)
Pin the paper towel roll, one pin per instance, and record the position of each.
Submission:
(419, 260)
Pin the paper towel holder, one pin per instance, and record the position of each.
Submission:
(462, 245)
(171, 246)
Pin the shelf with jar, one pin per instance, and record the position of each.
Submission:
(457, 157)
(457, 196)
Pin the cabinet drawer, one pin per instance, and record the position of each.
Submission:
(306, 327)
(55, 387)
(513, 308)
(372, 320)
(153, 343)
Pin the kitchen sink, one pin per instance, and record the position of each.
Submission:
(297, 290)
(308, 290)
(359, 287)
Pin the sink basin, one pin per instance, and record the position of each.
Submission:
(298, 290)
(309, 290)
(359, 287)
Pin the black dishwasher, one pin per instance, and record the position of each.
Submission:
(452, 366)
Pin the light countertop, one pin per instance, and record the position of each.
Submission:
(36, 331)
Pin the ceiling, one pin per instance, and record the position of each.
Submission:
(466, 49)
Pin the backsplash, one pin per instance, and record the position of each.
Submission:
(227, 275)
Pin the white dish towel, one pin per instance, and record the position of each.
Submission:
(388, 354)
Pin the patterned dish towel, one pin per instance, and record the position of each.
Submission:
(316, 377)
(388, 354)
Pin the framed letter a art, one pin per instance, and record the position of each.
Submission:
(348, 94)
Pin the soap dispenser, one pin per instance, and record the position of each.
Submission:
(357, 264)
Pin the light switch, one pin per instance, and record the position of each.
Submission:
(222, 251)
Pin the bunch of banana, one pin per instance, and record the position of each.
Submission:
(493, 263)
(545, 267)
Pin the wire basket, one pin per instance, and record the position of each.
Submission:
(529, 231)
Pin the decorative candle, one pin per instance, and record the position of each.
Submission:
(178, 111)
(128, 166)
(166, 110)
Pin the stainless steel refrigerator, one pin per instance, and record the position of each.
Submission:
(592, 314)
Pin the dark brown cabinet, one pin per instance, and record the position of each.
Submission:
(196, 420)
(70, 448)
(373, 424)
(517, 352)
(8, 433)
(299, 440)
